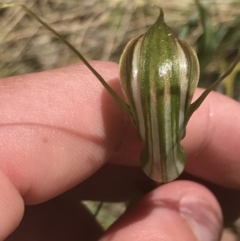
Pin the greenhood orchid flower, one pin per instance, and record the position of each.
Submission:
(159, 74)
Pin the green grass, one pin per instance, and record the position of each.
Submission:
(101, 28)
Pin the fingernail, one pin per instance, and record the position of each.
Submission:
(205, 224)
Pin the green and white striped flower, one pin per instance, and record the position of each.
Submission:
(159, 74)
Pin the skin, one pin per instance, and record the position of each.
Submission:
(63, 138)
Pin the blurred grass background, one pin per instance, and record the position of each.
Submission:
(101, 28)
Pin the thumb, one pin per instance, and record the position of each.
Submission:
(180, 210)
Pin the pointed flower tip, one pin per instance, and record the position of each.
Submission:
(160, 19)
(161, 14)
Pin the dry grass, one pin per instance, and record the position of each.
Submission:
(98, 28)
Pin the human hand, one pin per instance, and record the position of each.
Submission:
(58, 128)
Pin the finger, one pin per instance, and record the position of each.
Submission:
(228, 198)
(57, 128)
(60, 145)
(180, 210)
(11, 206)
(212, 142)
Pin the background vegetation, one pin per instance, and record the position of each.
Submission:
(101, 28)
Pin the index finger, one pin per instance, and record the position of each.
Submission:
(59, 127)
(213, 141)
